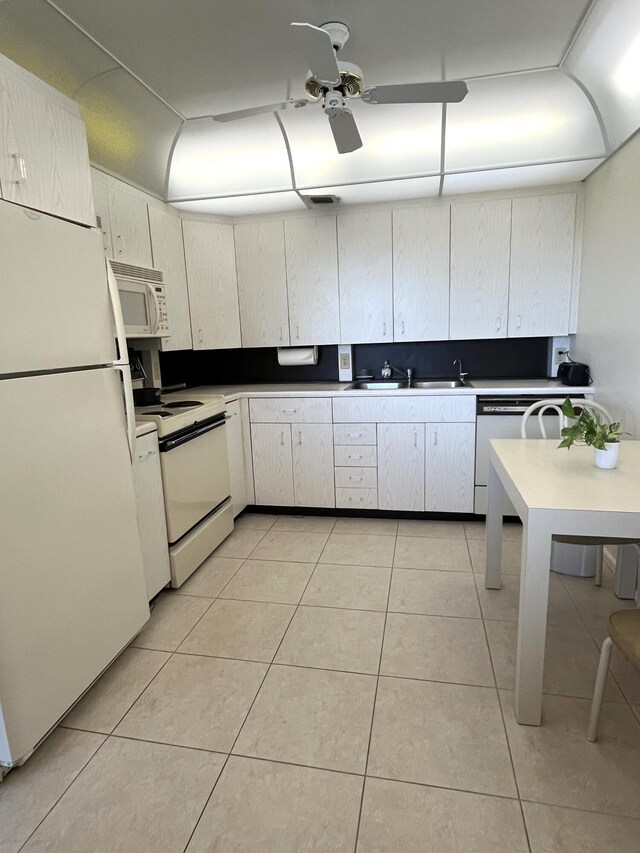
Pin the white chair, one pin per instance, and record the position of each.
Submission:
(541, 407)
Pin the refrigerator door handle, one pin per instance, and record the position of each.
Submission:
(129, 409)
(118, 319)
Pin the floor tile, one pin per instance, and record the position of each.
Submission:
(421, 552)
(239, 629)
(171, 620)
(359, 549)
(354, 587)
(436, 648)
(269, 580)
(312, 717)
(636, 711)
(133, 796)
(593, 603)
(556, 764)
(440, 529)
(556, 830)
(305, 523)
(29, 792)
(627, 676)
(570, 665)
(102, 708)
(300, 547)
(399, 817)
(323, 637)
(433, 593)
(240, 543)
(377, 526)
(291, 810)
(256, 521)
(195, 701)
(503, 604)
(448, 735)
(511, 556)
(511, 531)
(211, 577)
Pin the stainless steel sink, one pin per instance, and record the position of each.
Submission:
(454, 383)
(376, 385)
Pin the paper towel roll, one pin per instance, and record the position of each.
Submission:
(297, 355)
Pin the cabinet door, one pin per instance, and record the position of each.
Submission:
(147, 484)
(101, 203)
(542, 241)
(313, 478)
(401, 466)
(262, 284)
(44, 162)
(235, 449)
(312, 280)
(365, 269)
(480, 246)
(450, 454)
(168, 256)
(129, 228)
(213, 289)
(272, 464)
(421, 273)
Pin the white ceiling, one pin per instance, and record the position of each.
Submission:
(140, 68)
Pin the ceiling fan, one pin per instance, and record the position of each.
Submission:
(333, 83)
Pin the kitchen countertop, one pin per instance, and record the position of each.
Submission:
(536, 387)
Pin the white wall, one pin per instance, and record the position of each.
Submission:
(608, 335)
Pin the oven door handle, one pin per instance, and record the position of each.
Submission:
(172, 443)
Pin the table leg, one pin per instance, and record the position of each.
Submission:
(495, 498)
(532, 621)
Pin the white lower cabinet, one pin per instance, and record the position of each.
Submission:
(449, 467)
(313, 465)
(240, 472)
(147, 481)
(272, 464)
(401, 467)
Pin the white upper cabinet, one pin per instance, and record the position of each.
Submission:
(421, 273)
(213, 290)
(542, 243)
(365, 269)
(101, 203)
(44, 162)
(312, 280)
(480, 249)
(262, 284)
(168, 256)
(130, 237)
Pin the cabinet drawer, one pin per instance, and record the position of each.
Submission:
(354, 433)
(356, 478)
(357, 498)
(291, 410)
(356, 455)
(437, 408)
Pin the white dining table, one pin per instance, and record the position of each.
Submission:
(554, 492)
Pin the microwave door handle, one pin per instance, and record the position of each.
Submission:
(118, 319)
(129, 409)
(156, 309)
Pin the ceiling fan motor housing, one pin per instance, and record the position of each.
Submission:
(350, 85)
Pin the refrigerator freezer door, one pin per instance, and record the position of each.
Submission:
(55, 311)
(71, 579)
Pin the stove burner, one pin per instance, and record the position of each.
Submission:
(183, 404)
(159, 413)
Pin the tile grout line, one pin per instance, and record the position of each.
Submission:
(375, 698)
(504, 724)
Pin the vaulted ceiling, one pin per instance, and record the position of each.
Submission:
(553, 89)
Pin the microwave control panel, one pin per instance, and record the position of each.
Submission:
(161, 300)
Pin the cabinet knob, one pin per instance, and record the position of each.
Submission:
(498, 323)
(21, 163)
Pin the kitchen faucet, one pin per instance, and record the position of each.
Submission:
(462, 376)
(388, 369)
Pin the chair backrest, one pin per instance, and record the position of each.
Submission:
(542, 406)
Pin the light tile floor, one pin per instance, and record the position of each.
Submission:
(341, 685)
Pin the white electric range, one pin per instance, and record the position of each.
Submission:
(195, 476)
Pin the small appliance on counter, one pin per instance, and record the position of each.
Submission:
(574, 373)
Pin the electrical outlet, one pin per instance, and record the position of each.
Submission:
(559, 355)
(345, 363)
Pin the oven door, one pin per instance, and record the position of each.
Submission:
(195, 475)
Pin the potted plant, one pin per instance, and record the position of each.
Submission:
(590, 429)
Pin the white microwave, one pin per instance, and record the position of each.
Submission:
(142, 299)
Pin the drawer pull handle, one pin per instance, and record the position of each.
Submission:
(22, 168)
(356, 478)
(384, 328)
(519, 323)
(281, 439)
(299, 436)
(402, 327)
(435, 438)
(289, 411)
(498, 323)
(354, 434)
(415, 439)
(355, 457)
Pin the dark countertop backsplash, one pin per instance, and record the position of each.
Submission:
(512, 358)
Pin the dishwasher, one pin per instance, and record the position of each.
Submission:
(500, 417)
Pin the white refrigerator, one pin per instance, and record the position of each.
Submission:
(72, 589)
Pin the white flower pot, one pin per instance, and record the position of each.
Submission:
(608, 458)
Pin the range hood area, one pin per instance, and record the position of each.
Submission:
(550, 115)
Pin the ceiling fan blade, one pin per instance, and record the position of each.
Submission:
(451, 92)
(257, 111)
(319, 52)
(345, 132)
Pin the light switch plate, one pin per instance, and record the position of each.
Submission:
(345, 363)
